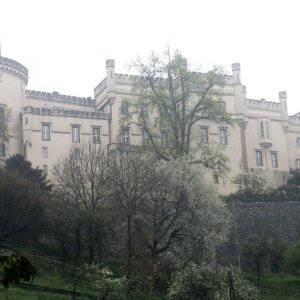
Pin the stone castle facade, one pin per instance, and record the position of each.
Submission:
(42, 126)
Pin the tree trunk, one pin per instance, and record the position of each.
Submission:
(78, 249)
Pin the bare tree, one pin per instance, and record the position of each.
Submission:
(81, 181)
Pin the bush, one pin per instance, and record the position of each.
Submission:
(292, 258)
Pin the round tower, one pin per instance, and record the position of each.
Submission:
(13, 82)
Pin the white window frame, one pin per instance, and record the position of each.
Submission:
(259, 158)
(125, 136)
(204, 135)
(264, 129)
(45, 152)
(274, 159)
(146, 138)
(46, 132)
(75, 133)
(223, 136)
(164, 138)
(96, 135)
(124, 108)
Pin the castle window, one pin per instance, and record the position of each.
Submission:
(125, 136)
(223, 136)
(77, 153)
(145, 138)
(164, 138)
(264, 129)
(45, 169)
(259, 158)
(145, 109)
(298, 142)
(274, 160)
(96, 135)
(216, 179)
(124, 108)
(223, 105)
(46, 132)
(204, 135)
(45, 152)
(75, 134)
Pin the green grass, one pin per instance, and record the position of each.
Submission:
(280, 287)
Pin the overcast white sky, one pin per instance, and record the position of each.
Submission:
(64, 43)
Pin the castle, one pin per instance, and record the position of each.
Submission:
(42, 126)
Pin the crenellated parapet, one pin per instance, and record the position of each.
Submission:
(11, 66)
(65, 112)
(56, 96)
(263, 104)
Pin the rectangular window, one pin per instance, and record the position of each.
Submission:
(145, 109)
(96, 135)
(298, 142)
(259, 158)
(204, 135)
(216, 179)
(45, 152)
(274, 160)
(125, 136)
(145, 138)
(75, 134)
(223, 136)
(264, 129)
(46, 132)
(164, 138)
(124, 108)
(77, 153)
(45, 169)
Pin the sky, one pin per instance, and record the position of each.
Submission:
(65, 43)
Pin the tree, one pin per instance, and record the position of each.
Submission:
(22, 207)
(203, 282)
(178, 100)
(5, 129)
(81, 183)
(104, 280)
(15, 267)
(166, 207)
(17, 163)
(292, 258)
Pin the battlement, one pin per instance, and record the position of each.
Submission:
(263, 104)
(110, 63)
(13, 66)
(56, 96)
(236, 67)
(65, 112)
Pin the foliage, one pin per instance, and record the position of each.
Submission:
(17, 163)
(169, 210)
(250, 183)
(178, 100)
(15, 267)
(22, 207)
(104, 280)
(205, 282)
(292, 258)
(294, 178)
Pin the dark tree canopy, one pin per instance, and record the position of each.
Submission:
(17, 163)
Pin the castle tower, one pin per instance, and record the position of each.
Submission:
(13, 81)
(110, 75)
(283, 102)
(238, 89)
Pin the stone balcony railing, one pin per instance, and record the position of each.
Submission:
(63, 112)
